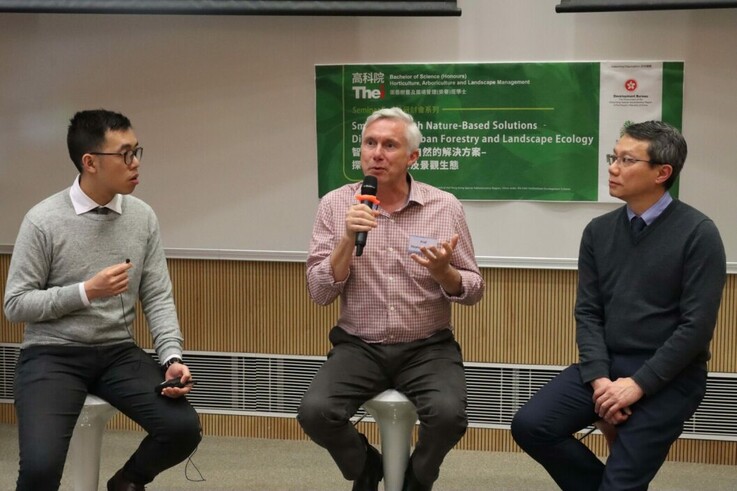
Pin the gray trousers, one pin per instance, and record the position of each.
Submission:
(429, 372)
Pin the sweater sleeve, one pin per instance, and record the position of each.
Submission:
(589, 313)
(28, 298)
(157, 298)
(704, 275)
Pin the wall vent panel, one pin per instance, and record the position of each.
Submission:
(273, 385)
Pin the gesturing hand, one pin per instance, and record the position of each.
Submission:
(437, 261)
(109, 282)
(436, 258)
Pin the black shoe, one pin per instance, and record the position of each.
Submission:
(119, 483)
(373, 470)
(411, 483)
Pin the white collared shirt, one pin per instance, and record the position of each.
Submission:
(84, 204)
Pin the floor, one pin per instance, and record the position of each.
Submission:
(226, 463)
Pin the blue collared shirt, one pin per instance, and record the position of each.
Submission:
(654, 211)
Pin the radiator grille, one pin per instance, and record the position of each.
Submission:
(8, 359)
(496, 392)
(252, 384)
(273, 385)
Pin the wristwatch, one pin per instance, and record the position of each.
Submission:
(172, 360)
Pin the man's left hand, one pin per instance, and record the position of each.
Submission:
(180, 371)
(436, 258)
(437, 261)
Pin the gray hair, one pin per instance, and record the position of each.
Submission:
(412, 131)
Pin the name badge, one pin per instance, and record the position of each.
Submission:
(417, 241)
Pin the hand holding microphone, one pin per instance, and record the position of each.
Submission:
(368, 198)
(109, 282)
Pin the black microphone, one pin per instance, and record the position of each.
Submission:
(367, 188)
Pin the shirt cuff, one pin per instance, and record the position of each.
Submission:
(83, 295)
(168, 358)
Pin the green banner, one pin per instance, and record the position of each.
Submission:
(502, 131)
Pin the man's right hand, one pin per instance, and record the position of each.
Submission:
(109, 282)
(359, 218)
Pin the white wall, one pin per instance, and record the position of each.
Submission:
(224, 107)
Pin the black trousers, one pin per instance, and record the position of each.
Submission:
(51, 383)
(544, 428)
(429, 372)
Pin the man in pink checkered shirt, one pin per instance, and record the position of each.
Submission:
(394, 328)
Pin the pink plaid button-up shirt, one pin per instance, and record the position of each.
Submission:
(387, 297)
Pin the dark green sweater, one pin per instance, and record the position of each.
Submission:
(657, 294)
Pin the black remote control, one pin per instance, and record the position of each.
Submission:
(174, 382)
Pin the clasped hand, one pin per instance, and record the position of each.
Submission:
(612, 400)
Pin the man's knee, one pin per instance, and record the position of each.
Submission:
(448, 418)
(314, 413)
(182, 431)
(318, 414)
(530, 432)
(524, 428)
(191, 436)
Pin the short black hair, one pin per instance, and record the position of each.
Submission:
(87, 132)
(666, 145)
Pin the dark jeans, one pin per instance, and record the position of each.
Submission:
(429, 372)
(544, 428)
(51, 383)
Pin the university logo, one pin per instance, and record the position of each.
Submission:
(366, 92)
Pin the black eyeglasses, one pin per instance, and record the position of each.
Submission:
(625, 161)
(127, 155)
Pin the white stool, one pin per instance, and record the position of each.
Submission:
(84, 449)
(396, 416)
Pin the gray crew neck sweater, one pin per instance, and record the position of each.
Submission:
(56, 249)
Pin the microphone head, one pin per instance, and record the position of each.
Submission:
(369, 185)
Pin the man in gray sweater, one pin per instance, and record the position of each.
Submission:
(650, 281)
(81, 260)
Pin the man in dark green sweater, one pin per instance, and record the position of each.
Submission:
(651, 276)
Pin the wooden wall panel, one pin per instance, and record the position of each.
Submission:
(9, 333)
(246, 307)
(724, 354)
(7, 413)
(526, 317)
